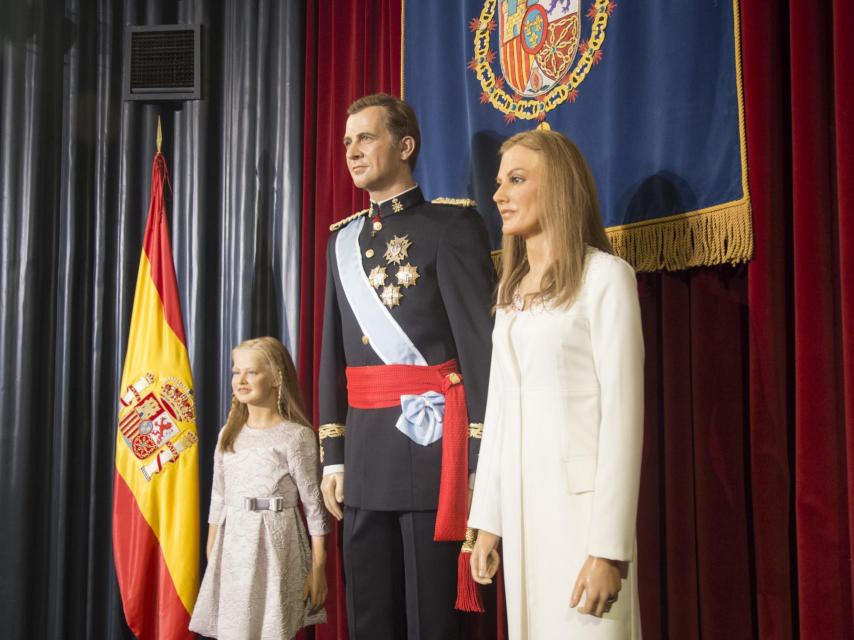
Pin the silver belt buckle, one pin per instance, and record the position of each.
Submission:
(274, 503)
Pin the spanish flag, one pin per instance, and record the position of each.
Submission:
(156, 486)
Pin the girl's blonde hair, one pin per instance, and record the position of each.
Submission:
(569, 216)
(290, 402)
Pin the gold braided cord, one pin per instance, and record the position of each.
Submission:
(455, 202)
(468, 543)
(330, 430)
(476, 430)
(337, 225)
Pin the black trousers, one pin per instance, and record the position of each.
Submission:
(400, 584)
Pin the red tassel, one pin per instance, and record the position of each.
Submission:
(468, 593)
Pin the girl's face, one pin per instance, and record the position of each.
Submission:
(517, 196)
(252, 382)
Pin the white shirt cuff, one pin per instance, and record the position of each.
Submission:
(333, 468)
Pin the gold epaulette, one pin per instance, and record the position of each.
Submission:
(337, 225)
(456, 202)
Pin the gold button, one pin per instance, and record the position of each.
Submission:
(369, 253)
(365, 340)
(454, 378)
(378, 225)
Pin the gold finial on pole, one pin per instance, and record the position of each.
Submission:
(544, 126)
(159, 135)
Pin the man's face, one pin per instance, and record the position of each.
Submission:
(374, 160)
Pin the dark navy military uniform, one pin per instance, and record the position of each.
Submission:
(391, 483)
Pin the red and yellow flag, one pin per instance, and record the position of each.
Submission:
(156, 486)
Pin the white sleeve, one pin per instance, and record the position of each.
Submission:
(617, 344)
(328, 470)
(485, 510)
(215, 515)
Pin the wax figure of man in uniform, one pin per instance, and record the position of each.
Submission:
(404, 370)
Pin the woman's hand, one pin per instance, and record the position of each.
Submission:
(315, 588)
(484, 557)
(599, 578)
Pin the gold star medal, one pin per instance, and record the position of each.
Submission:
(396, 205)
(407, 275)
(397, 249)
(391, 295)
(377, 277)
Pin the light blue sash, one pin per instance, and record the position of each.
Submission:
(421, 417)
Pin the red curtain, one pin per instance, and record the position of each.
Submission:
(352, 49)
(747, 496)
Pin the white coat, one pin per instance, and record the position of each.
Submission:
(559, 465)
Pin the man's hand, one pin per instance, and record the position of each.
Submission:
(600, 579)
(484, 557)
(332, 488)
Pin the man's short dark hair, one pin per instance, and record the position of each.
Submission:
(400, 119)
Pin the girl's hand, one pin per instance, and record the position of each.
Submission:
(484, 557)
(600, 579)
(315, 588)
(212, 528)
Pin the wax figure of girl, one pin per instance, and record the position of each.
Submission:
(264, 579)
(559, 468)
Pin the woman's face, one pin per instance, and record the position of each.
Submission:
(252, 382)
(519, 178)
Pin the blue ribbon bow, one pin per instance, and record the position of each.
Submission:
(422, 416)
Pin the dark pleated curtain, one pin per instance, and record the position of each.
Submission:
(75, 165)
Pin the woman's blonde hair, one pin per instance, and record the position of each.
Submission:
(569, 216)
(290, 404)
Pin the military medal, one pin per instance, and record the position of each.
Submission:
(397, 249)
(391, 295)
(396, 205)
(407, 275)
(377, 277)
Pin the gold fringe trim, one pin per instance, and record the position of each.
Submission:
(496, 258)
(456, 202)
(704, 238)
(713, 236)
(337, 225)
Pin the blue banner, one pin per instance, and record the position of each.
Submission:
(649, 91)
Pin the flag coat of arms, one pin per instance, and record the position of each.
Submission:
(156, 491)
(649, 91)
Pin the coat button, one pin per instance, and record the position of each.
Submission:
(365, 339)
(377, 225)
(369, 253)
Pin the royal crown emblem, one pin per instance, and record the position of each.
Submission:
(544, 53)
(150, 414)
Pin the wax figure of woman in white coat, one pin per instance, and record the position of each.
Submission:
(559, 469)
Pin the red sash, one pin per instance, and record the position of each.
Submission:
(380, 387)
